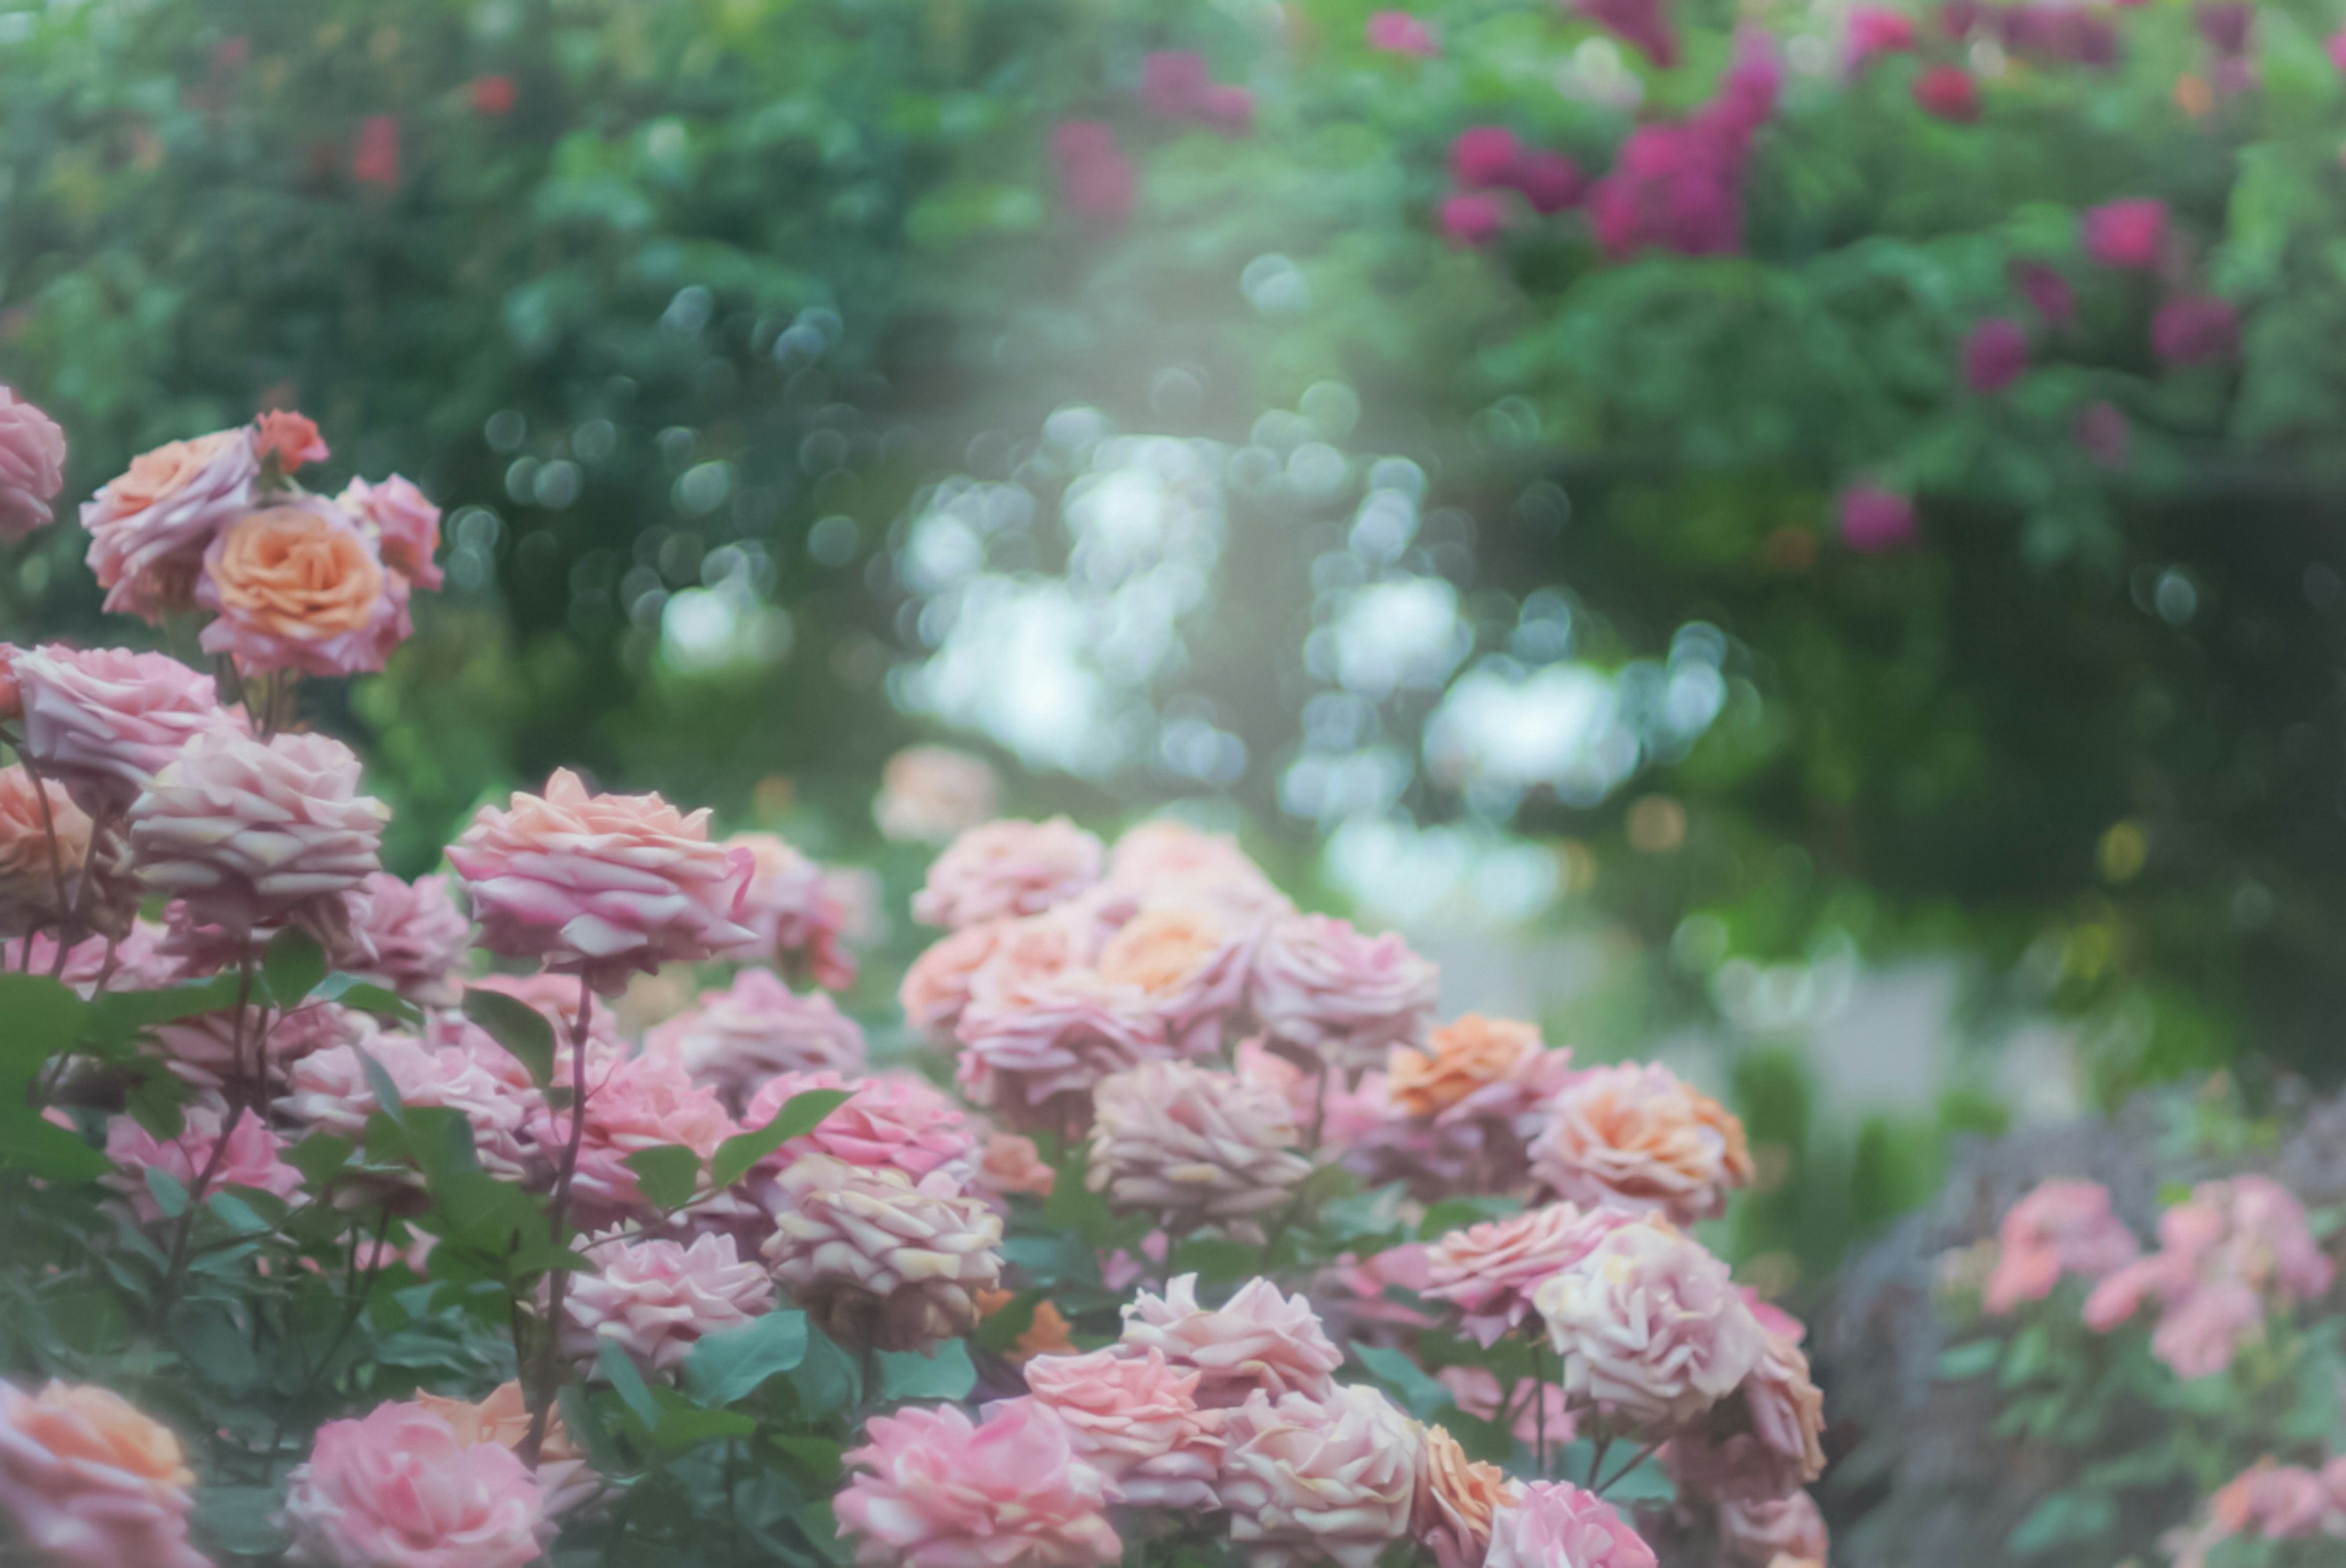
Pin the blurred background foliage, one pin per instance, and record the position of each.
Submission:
(805, 377)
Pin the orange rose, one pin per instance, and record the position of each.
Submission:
(29, 895)
(290, 573)
(86, 1422)
(1638, 1137)
(1046, 1335)
(1466, 1056)
(1455, 1497)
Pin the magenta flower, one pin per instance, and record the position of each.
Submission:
(1399, 32)
(104, 721)
(930, 1490)
(2048, 293)
(1174, 83)
(2059, 1227)
(1948, 93)
(2128, 235)
(1643, 25)
(88, 1482)
(1674, 187)
(1874, 31)
(600, 885)
(395, 1489)
(1994, 354)
(32, 466)
(1096, 181)
(1259, 1341)
(657, 1299)
(1542, 1523)
(1874, 521)
(2194, 330)
(1135, 1418)
(1334, 1476)
(1550, 182)
(254, 1158)
(732, 1041)
(148, 529)
(2104, 434)
(1484, 156)
(403, 524)
(1472, 219)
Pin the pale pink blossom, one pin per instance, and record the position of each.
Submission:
(1044, 947)
(1635, 1135)
(330, 1091)
(1008, 868)
(638, 1102)
(250, 833)
(1343, 1115)
(931, 794)
(1763, 1440)
(658, 1299)
(2059, 1227)
(254, 1157)
(1320, 987)
(211, 1049)
(1547, 1524)
(408, 937)
(1490, 1271)
(1136, 1420)
(1168, 858)
(897, 1119)
(1034, 1052)
(405, 527)
(148, 529)
(877, 1259)
(32, 466)
(1307, 1479)
(396, 1489)
(1399, 32)
(88, 1482)
(930, 1490)
(1193, 1142)
(600, 885)
(1258, 1341)
(733, 1039)
(1190, 963)
(935, 988)
(1351, 1295)
(794, 910)
(1764, 1535)
(1649, 1325)
(1476, 1391)
(296, 585)
(564, 1476)
(104, 721)
(138, 963)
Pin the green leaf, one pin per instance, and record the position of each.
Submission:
(238, 1519)
(45, 1149)
(386, 1092)
(320, 1156)
(620, 1371)
(1074, 1206)
(584, 1424)
(366, 997)
(1213, 1258)
(828, 1379)
(120, 1016)
(518, 1026)
(800, 1116)
(819, 1456)
(946, 1375)
(2062, 1518)
(1409, 1382)
(44, 1016)
(291, 966)
(678, 1429)
(731, 1365)
(171, 1197)
(1975, 1360)
(667, 1175)
(1000, 1329)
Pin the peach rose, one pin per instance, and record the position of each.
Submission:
(1635, 1135)
(562, 1473)
(1191, 966)
(1459, 1058)
(935, 988)
(298, 586)
(88, 1482)
(148, 529)
(929, 794)
(1450, 1516)
(1011, 1163)
(37, 881)
(405, 527)
(600, 885)
(31, 465)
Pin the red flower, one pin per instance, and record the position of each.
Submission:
(1949, 92)
(376, 160)
(493, 95)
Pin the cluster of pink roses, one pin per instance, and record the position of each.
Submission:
(2236, 1250)
(2270, 1502)
(1230, 1411)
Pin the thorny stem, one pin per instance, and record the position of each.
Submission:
(219, 1146)
(1539, 1409)
(541, 1397)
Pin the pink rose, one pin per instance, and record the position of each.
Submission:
(1490, 1271)
(1649, 1325)
(935, 987)
(1875, 30)
(289, 440)
(408, 937)
(1484, 157)
(931, 794)
(1167, 859)
(148, 529)
(930, 1490)
(1455, 1497)
(1191, 963)
(1476, 1391)
(1136, 1420)
(1350, 1295)
(404, 526)
(2237, 1247)
(250, 834)
(1761, 1535)
(657, 1299)
(877, 1260)
(1333, 1477)
(45, 842)
(88, 1482)
(1321, 987)
(210, 1051)
(1008, 868)
(1874, 521)
(1342, 1115)
(137, 962)
(1260, 1342)
(794, 909)
(330, 1091)
(1010, 1163)
(2127, 235)
(1762, 1442)
(254, 1158)
(639, 1103)
(1635, 1135)
(1192, 1142)
(1399, 32)
(1995, 354)
(563, 1474)
(104, 721)
(734, 1040)
(1542, 1523)
(2192, 329)
(31, 465)
(2059, 1227)
(896, 1119)
(600, 885)
(395, 1489)
(1033, 1053)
